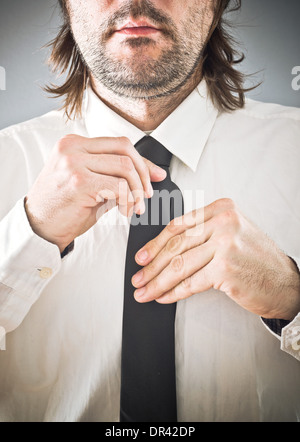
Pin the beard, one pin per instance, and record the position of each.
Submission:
(140, 76)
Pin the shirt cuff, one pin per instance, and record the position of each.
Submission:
(287, 331)
(27, 264)
(276, 325)
(290, 338)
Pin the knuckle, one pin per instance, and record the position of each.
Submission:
(230, 217)
(126, 163)
(177, 263)
(63, 145)
(226, 202)
(152, 269)
(125, 144)
(174, 244)
(174, 226)
(195, 215)
(156, 286)
(154, 246)
(184, 289)
(186, 284)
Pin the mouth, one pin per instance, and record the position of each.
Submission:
(139, 28)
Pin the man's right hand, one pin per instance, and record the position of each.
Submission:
(81, 176)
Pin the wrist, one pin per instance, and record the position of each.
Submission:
(290, 293)
(38, 227)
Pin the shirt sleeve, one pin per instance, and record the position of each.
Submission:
(287, 331)
(27, 264)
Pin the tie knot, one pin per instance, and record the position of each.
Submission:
(154, 151)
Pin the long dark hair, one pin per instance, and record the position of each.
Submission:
(225, 83)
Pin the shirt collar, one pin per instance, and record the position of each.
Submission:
(184, 132)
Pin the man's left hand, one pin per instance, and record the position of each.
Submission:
(217, 247)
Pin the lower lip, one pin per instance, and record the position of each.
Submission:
(142, 30)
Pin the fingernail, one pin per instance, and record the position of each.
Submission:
(138, 294)
(138, 277)
(142, 255)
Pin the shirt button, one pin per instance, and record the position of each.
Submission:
(45, 273)
(296, 339)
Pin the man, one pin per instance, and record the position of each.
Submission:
(70, 186)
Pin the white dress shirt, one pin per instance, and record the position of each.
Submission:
(63, 317)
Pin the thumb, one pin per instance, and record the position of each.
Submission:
(156, 173)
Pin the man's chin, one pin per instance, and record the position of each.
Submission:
(139, 89)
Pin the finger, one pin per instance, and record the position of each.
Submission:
(180, 268)
(179, 225)
(199, 282)
(118, 166)
(108, 188)
(157, 174)
(123, 146)
(176, 245)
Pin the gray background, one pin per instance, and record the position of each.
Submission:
(268, 31)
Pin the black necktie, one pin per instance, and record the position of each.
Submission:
(148, 385)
